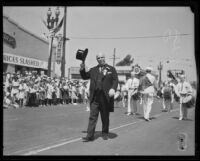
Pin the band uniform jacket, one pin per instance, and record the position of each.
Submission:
(109, 80)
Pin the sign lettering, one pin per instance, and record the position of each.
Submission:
(23, 61)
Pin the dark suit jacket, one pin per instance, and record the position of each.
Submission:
(110, 80)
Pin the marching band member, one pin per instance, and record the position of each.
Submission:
(183, 90)
(124, 93)
(148, 85)
(167, 97)
(132, 87)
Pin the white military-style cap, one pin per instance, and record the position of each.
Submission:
(149, 69)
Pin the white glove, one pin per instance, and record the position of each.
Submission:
(111, 92)
(82, 66)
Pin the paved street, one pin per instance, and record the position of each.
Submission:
(57, 130)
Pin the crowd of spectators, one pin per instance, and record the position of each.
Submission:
(33, 90)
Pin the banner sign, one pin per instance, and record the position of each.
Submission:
(59, 51)
(59, 48)
(24, 61)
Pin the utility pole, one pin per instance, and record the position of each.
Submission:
(64, 39)
(114, 57)
(160, 67)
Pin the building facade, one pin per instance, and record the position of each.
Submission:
(23, 50)
(124, 72)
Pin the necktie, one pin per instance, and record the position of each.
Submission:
(100, 69)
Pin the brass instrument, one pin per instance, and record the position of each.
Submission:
(141, 72)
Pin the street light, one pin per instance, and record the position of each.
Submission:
(50, 26)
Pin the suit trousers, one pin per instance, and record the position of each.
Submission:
(98, 104)
(183, 111)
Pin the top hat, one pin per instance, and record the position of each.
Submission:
(81, 54)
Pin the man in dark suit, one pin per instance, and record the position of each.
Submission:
(103, 84)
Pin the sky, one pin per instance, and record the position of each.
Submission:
(150, 34)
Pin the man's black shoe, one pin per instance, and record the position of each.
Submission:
(105, 136)
(87, 139)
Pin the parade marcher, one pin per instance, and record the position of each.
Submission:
(103, 84)
(124, 93)
(133, 95)
(147, 90)
(167, 97)
(184, 91)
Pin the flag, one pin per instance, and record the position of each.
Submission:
(171, 75)
(57, 28)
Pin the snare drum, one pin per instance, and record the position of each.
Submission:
(188, 101)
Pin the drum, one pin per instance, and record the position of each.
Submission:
(188, 101)
(136, 96)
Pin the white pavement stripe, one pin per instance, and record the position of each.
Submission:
(51, 147)
(77, 139)
(125, 125)
(35, 147)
